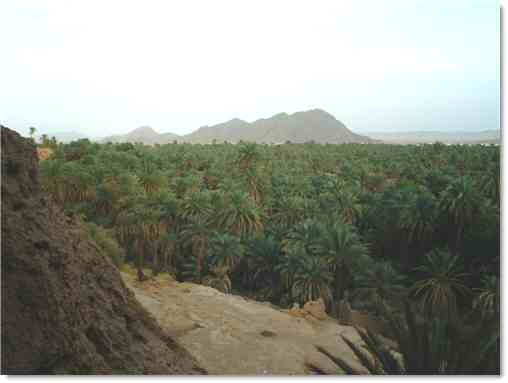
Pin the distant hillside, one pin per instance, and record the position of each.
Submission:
(482, 137)
(143, 134)
(313, 125)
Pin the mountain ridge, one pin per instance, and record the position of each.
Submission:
(315, 125)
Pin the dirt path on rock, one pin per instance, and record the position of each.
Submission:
(228, 334)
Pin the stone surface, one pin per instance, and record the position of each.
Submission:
(229, 334)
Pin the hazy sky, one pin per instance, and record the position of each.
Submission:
(107, 67)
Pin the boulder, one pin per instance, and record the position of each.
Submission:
(316, 308)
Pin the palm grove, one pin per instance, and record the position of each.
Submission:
(374, 225)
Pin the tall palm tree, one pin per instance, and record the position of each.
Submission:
(195, 235)
(343, 247)
(240, 215)
(152, 182)
(248, 154)
(491, 181)
(306, 234)
(264, 253)
(488, 298)
(167, 249)
(460, 201)
(418, 219)
(288, 267)
(32, 132)
(225, 250)
(313, 278)
(441, 285)
(380, 282)
(196, 207)
(290, 211)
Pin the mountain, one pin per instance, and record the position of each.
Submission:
(420, 137)
(313, 125)
(143, 134)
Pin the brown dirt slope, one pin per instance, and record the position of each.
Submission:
(65, 308)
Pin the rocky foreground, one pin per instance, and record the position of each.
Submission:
(65, 309)
(229, 334)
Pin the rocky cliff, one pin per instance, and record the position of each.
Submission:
(65, 308)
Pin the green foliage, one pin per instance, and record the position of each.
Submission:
(489, 297)
(106, 243)
(289, 223)
(378, 283)
(442, 284)
(225, 251)
(431, 346)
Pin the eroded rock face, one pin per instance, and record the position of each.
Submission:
(65, 308)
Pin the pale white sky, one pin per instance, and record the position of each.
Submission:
(107, 67)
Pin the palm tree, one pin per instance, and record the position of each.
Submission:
(167, 249)
(441, 285)
(264, 254)
(488, 299)
(152, 182)
(254, 185)
(196, 207)
(290, 211)
(288, 267)
(81, 185)
(380, 282)
(248, 154)
(313, 278)
(343, 247)
(350, 205)
(418, 219)
(225, 250)
(195, 235)
(491, 181)
(308, 235)
(430, 346)
(460, 201)
(240, 215)
(32, 132)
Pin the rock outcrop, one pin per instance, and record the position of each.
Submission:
(229, 334)
(315, 309)
(65, 308)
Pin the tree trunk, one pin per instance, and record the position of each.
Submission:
(403, 252)
(140, 260)
(341, 282)
(458, 240)
(156, 266)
